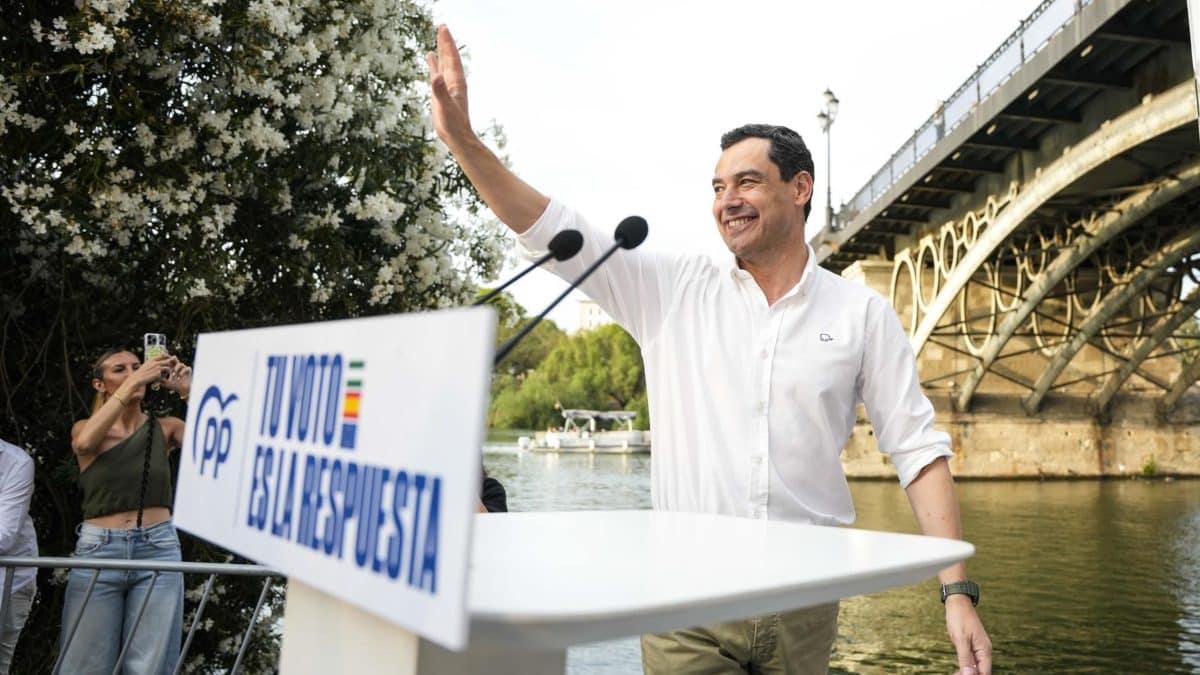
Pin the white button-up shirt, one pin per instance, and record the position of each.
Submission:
(750, 404)
(17, 537)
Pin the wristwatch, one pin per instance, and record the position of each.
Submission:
(967, 588)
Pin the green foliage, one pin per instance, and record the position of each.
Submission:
(1150, 467)
(529, 352)
(598, 369)
(187, 167)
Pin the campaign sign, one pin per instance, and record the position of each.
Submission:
(346, 454)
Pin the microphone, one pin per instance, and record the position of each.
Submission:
(629, 234)
(562, 247)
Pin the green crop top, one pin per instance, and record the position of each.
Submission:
(112, 481)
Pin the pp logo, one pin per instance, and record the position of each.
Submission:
(218, 430)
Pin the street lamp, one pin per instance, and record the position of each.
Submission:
(825, 118)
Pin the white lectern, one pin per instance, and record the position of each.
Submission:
(541, 582)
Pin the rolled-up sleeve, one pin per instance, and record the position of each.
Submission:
(900, 413)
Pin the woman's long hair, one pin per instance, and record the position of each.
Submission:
(98, 374)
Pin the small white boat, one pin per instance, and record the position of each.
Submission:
(580, 434)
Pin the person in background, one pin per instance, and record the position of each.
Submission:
(126, 482)
(17, 539)
(492, 497)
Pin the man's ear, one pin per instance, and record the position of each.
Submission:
(802, 184)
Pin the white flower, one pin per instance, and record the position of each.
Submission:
(261, 135)
(378, 206)
(209, 27)
(113, 11)
(199, 289)
(427, 271)
(97, 39)
(144, 137)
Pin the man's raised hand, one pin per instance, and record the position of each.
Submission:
(451, 119)
(513, 201)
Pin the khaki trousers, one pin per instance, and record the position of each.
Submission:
(791, 643)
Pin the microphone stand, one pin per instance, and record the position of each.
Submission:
(629, 234)
(512, 342)
(562, 247)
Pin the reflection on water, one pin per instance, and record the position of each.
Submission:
(554, 482)
(1082, 577)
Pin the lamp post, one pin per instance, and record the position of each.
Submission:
(825, 118)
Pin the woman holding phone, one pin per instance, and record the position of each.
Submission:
(126, 482)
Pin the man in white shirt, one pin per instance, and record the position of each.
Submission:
(17, 538)
(753, 371)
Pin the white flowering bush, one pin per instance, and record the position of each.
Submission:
(244, 147)
(204, 165)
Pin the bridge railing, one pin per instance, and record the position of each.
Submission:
(1034, 32)
(212, 570)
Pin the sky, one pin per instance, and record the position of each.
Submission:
(616, 107)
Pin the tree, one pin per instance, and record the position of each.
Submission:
(529, 352)
(202, 166)
(596, 369)
(509, 375)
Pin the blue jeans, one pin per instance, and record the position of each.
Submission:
(109, 616)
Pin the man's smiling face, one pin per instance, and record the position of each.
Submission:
(755, 209)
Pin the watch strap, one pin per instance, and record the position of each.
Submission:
(967, 588)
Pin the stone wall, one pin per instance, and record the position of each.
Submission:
(997, 440)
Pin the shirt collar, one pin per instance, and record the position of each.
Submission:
(729, 265)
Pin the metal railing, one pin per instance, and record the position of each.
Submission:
(156, 567)
(1034, 32)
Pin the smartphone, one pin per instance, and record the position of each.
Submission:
(153, 345)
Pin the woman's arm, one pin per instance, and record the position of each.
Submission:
(180, 382)
(173, 429)
(88, 434)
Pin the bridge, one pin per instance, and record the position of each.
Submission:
(1039, 236)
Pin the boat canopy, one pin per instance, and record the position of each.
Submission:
(619, 415)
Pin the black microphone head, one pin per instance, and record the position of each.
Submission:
(631, 232)
(565, 244)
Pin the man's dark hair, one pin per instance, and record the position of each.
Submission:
(788, 151)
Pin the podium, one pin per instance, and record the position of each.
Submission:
(539, 583)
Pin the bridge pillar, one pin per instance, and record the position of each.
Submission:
(874, 274)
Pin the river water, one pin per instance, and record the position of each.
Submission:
(1076, 577)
